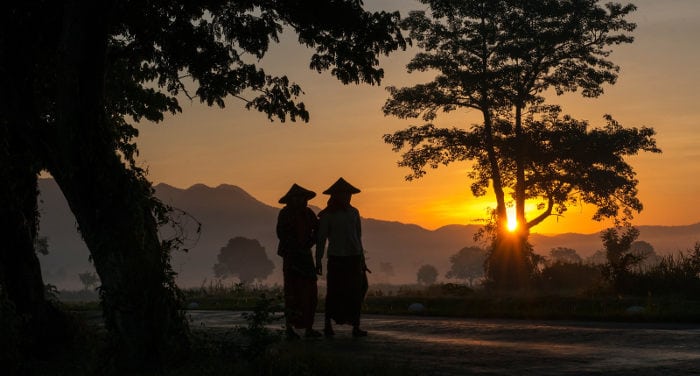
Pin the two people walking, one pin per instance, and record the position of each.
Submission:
(338, 226)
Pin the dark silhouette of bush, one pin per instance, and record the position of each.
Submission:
(672, 275)
(569, 277)
(243, 258)
(564, 255)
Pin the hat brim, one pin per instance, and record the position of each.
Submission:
(297, 191)
(341, 186)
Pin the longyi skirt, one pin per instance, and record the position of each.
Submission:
(300, 291)
(346, 288)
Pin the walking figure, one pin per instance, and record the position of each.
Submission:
(296, 229)
(346, 269)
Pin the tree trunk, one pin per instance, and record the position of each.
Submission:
(501, 215)
(113, 205)
(42, 324)
(20, 272)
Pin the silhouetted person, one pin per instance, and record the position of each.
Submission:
(346, 278)
(296, 230)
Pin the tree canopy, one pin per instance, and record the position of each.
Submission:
(427, 274)
(500, 58)
(243, 258)
(467, 264)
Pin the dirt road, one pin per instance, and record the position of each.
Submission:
(439, 346)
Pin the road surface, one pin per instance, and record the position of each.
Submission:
(448, 346)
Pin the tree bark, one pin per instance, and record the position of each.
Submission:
(20, 271)
(113, 205)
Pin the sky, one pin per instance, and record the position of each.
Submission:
(657, 87)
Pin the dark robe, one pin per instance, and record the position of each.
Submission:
(347, 286)
(296, 230)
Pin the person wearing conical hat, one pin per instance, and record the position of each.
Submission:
(346, 280)
(296, 229)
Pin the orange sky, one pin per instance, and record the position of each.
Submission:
(658, 87)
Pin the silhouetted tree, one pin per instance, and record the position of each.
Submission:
(645, 251)
(597, 258)
(564, 255)
(88, 279)
(41, 245)
(76, 73)
(427, 274)
(467, 264)
(243, 258)
(499, 57)
(386, 268)
(620, 259)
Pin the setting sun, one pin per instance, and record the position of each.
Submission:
(512, 223)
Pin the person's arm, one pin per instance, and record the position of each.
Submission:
(359, 237)
(284, 232)
(321, 238)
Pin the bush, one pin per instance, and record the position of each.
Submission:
(673, 275)
(569, 277)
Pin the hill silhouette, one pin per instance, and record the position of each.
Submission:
(227, 211)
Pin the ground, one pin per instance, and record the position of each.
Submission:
(441, 346)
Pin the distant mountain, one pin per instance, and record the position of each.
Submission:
(228, 211)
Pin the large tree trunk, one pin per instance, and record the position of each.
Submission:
(113, 206)
(43, 325)
(20, 272)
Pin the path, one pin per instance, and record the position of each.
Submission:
(440, 346)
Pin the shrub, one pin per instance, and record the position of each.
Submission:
(674, 275)
(575, 277)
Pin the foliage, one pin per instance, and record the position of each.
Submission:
(620, 259)
(645, 251)
(499, 57)
(88, 279)
(427, 274)
(259, 336)
(41, 245)
(671, 275)
(562, 276)
(597, 258)
(564, 255)
(467, 264)
(244, 258)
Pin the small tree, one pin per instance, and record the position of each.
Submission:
(427, 275)
(563, 255)
(386, 268)
(597, 258)
(88, 279)
(645, 251)
(243, 258)
(41, 245)
(620, 259)
(467, 264)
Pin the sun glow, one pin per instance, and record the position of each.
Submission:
(512, 224)
(512, 221)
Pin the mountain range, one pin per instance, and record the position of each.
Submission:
(228, 211)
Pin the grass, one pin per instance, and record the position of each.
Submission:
(451, 300)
